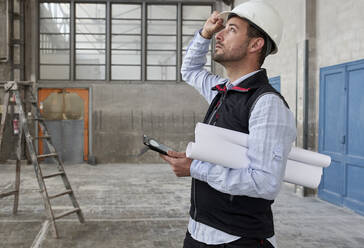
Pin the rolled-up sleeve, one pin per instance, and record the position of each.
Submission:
(271, 133)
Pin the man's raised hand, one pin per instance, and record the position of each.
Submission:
(212, 25)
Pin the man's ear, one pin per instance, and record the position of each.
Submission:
(256, 44)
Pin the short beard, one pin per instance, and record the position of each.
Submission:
(234, 56)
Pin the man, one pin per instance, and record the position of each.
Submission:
(232, 207)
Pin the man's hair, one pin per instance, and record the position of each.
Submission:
(254, 32)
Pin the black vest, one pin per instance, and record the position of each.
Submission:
(237, 215)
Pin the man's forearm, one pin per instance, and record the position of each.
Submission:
(193, 71)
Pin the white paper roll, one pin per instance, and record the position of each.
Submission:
(229, 148)
(205, 133)
(233, 157)
(309, 157)
(236, 157)
(303, 174)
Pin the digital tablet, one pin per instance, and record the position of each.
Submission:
(155, 145)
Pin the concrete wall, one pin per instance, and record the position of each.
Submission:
(289, 61)
(340, 31)
(123, 113)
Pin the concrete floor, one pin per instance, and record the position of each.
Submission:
(145, 205)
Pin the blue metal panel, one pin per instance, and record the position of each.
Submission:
(341, 134)
(356, 112)
(355, 191)
(334, 114)
(276, 83)
(332, 128)
(67, 138)
(355, 140)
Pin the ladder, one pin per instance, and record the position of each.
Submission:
(12, 88)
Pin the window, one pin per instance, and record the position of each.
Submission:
(162, 56)
(114, 40)
(90, 41)
(126, 42)
(54, 41)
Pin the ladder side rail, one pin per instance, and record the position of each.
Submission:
(18, 165)
(17, 171)
(3, 116)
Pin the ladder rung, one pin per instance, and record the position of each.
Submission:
(60, 194)
(42, 137)
(53, 175)
(67, 213)
(47, 155)
(2, 195)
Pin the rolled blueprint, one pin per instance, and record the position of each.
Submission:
(309, 157)
(229, 148)
(233, 157)
(205, 133)
(303, 174)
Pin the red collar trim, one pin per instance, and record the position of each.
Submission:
(218, 87)
(240, 88)
(235, 88)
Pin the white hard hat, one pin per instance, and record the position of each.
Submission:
(261, 14)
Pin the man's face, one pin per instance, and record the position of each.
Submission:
(232, 42)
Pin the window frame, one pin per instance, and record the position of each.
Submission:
(108, 65)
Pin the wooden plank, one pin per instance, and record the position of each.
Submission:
(17, 172)
(6, 194)
(60, 194)
(17, 187)
(67, 213)
(53, 175)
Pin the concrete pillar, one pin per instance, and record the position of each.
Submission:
(310, 85)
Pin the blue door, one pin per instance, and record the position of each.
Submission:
(341, 134)
(276, 83)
